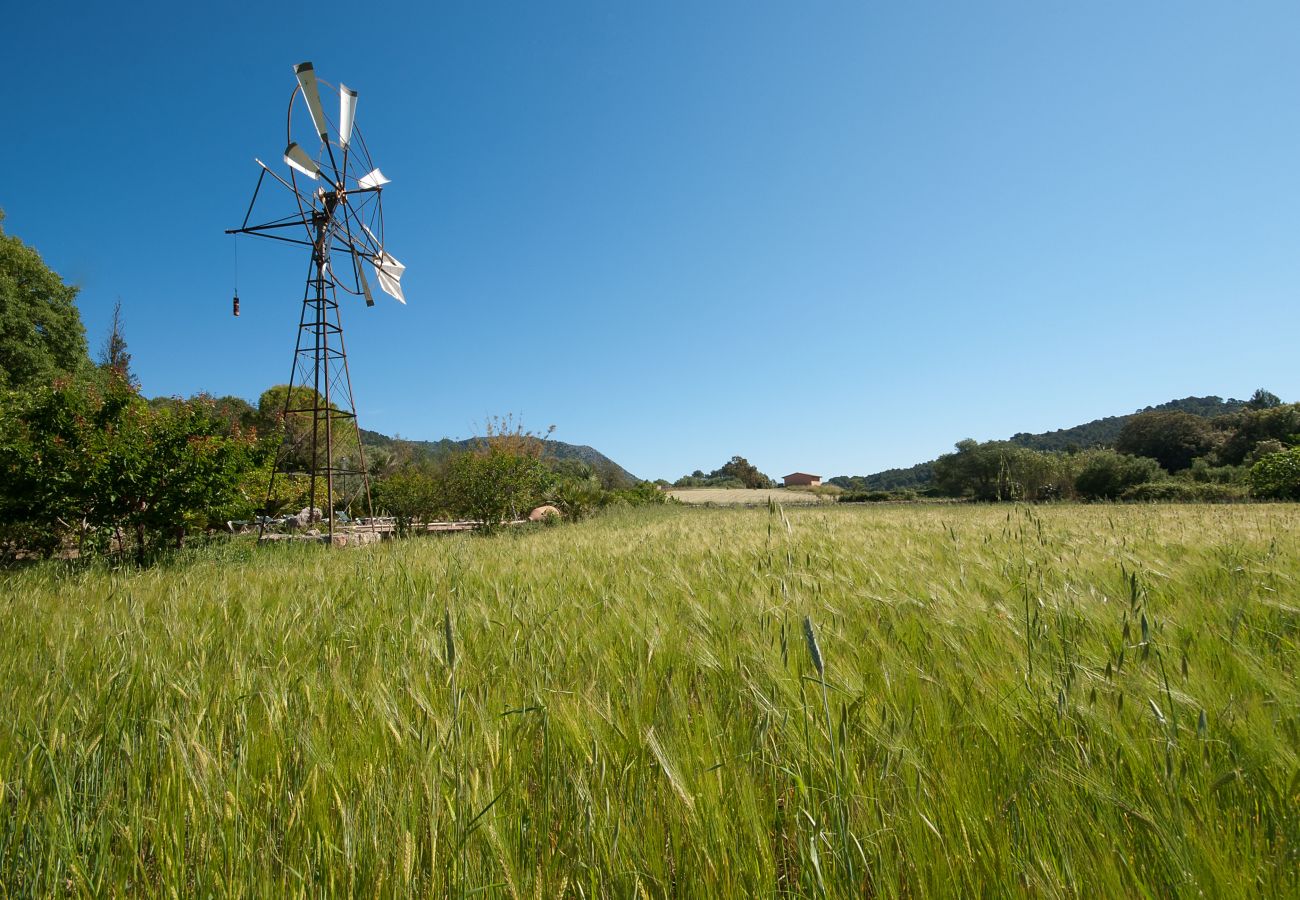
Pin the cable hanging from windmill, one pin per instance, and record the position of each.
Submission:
(235, 239)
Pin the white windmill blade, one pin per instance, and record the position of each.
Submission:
(307, 81)
(390, 272)
(347, 113)
(373, 179)
(297, 157)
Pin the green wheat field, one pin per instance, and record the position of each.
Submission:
(1058, 701)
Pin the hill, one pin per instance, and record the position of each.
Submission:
(554, 449)
(1097, 433)
(1103, 432)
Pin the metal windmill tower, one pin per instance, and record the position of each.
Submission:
(338, 212)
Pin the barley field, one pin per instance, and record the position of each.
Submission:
(906, 702)
(745, 497)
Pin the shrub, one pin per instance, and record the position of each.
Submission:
(1106, 474)
(1277, 476)
(576, 498)
(80, 460)
(1173, 491)
(865, 496)
(493, 485)
(410, 495)
(1202, 471)
(643, 493)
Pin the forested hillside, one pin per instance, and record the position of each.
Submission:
(1103, 432)
(559, 450)
(1197, 449)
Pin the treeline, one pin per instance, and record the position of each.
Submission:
(1250, 453)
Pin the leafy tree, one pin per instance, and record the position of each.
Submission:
(237, 416)
(1277, 476)
(1263, 399)
(1107, 474)
(1000, 470)
(83, 460)
(493, 485)
(736, 472)
(413, 494)
(976, 470)
(1250, 428)
(1172, 439)
(41, 335)
(742, 470)
(295, 427)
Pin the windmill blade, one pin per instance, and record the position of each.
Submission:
(297, 157)
(307, 81)
(390, 272)
(373, 179)
(347, 113)
(361, 276)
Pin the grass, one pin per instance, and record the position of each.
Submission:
(1057, 701)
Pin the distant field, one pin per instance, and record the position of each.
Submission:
(743, 497)
(1065, 701)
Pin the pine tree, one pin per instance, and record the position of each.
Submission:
(113, 355)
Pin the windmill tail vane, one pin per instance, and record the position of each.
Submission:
(337, 209)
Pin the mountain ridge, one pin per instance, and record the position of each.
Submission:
(556, 449)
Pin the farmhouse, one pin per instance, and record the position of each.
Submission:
(801, 479)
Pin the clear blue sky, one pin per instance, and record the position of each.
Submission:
(831, 237)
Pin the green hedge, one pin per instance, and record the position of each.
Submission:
(1185, 492)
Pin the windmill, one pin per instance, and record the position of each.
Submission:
(338, 213)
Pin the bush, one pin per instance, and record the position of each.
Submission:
(80, 461)
(708, 481)
(576, 498)
(493, 485)
(643, 493)
(1203, 471)
(1185, 492)
(866, 496)
(1277, 476)
(410, 495)
(1106, 474)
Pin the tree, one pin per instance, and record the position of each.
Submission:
(1106, 474)
(1172, 439)
(1277, 476)
(493, 485)
(1250, 428)
(296, 429)
(113, 355)
(82, 460)
(976, 470)
(41, 334)
(1000, 470)
(1263, 399)
(413, 494)
(743, 471)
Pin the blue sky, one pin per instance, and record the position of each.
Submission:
(831, 237)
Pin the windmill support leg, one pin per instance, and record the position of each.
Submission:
(321, 362)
